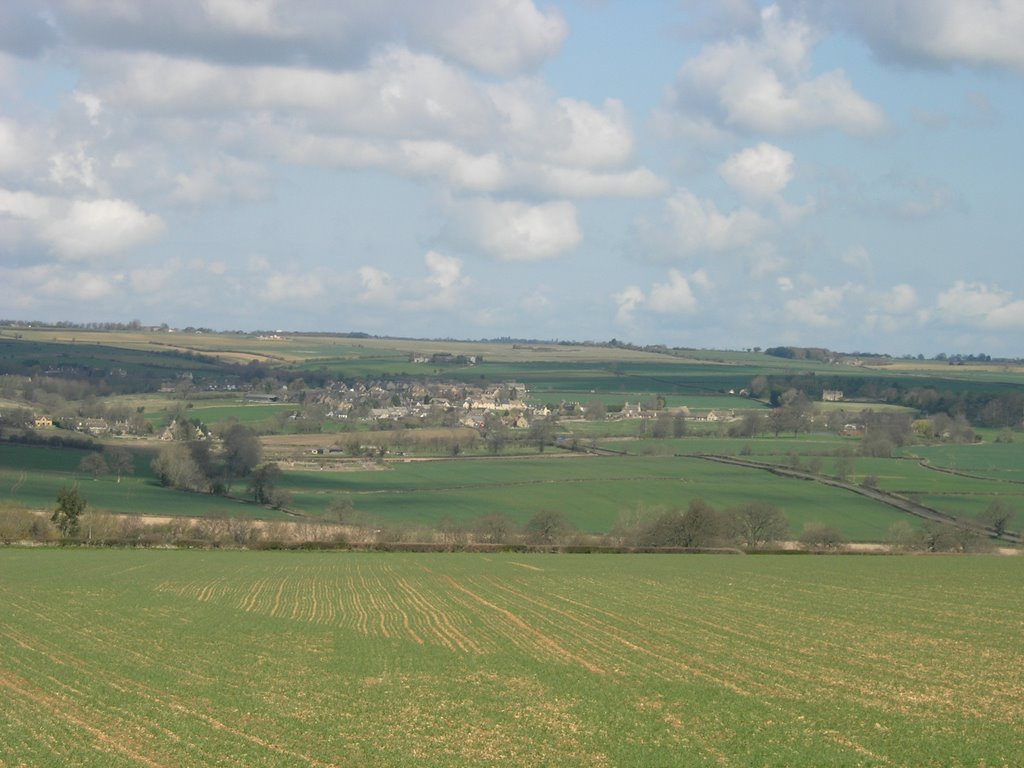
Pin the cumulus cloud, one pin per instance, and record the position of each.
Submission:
(444, 285)
(19, 148)
(99, 227)
(377, 286)
(980, 305)
(75, 168)
(500, 38)
(54, 282)
(762, 84)
(819, 308)
(405, 111)
(672, 297)
(221, 178)
(628, 299)
(517, 231)
(980, 33)
(900, 299)
(80, 229)
(592, 137)
(760, 172)
(442, 288)
(698, 226)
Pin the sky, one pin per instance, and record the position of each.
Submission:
(723, 174)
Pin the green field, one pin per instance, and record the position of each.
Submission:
(125, 658)
(30, 476)
(593, 492)
(125, 370)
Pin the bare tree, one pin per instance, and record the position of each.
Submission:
(997, 517)
(120, 462)
(175, 467)
(759, 523)
(241, 452)
(94, 464)
(547, 527)
(494, 528)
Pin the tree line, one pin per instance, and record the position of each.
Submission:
(193, 466)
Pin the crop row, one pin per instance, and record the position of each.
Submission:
(188, 658)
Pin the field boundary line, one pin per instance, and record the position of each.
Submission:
(893, 500)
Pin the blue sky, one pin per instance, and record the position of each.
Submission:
(710, 174)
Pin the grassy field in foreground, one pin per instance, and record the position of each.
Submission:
(248, 659)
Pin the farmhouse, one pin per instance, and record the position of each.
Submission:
(832, 395)
(43, 421)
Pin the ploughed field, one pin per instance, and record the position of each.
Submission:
(182, 658)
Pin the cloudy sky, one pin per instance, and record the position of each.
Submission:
(713, 174)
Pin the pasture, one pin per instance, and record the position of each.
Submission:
(164, 658)
(30, 476)
(594, 492)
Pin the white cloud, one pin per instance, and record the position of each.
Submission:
(505, 37)
(761, 84)
(152, 280)
(442, 288)
(444, 285)
(900, 299)
(404, 111)
(672, 297)
(702, 280)
(892, 310)
(221, 178)
(51, 281)
(80, 229)
(253, 16)
(581, 183)
(499, 38)
(537, 302)
(628, 299)
(98, 227)
(377, 286)
(75, 168)
(857, 257)
(18, 146)
(517, 231)
(820, 308)
(592, 138)
(761, 172)
(91, 104)
(292, 287)
(978, 33)
(698, 226)
(980, 305)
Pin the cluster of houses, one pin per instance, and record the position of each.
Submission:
(407, 401)
(464, 404)
(400, 400)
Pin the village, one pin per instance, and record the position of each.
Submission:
(384, 403)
